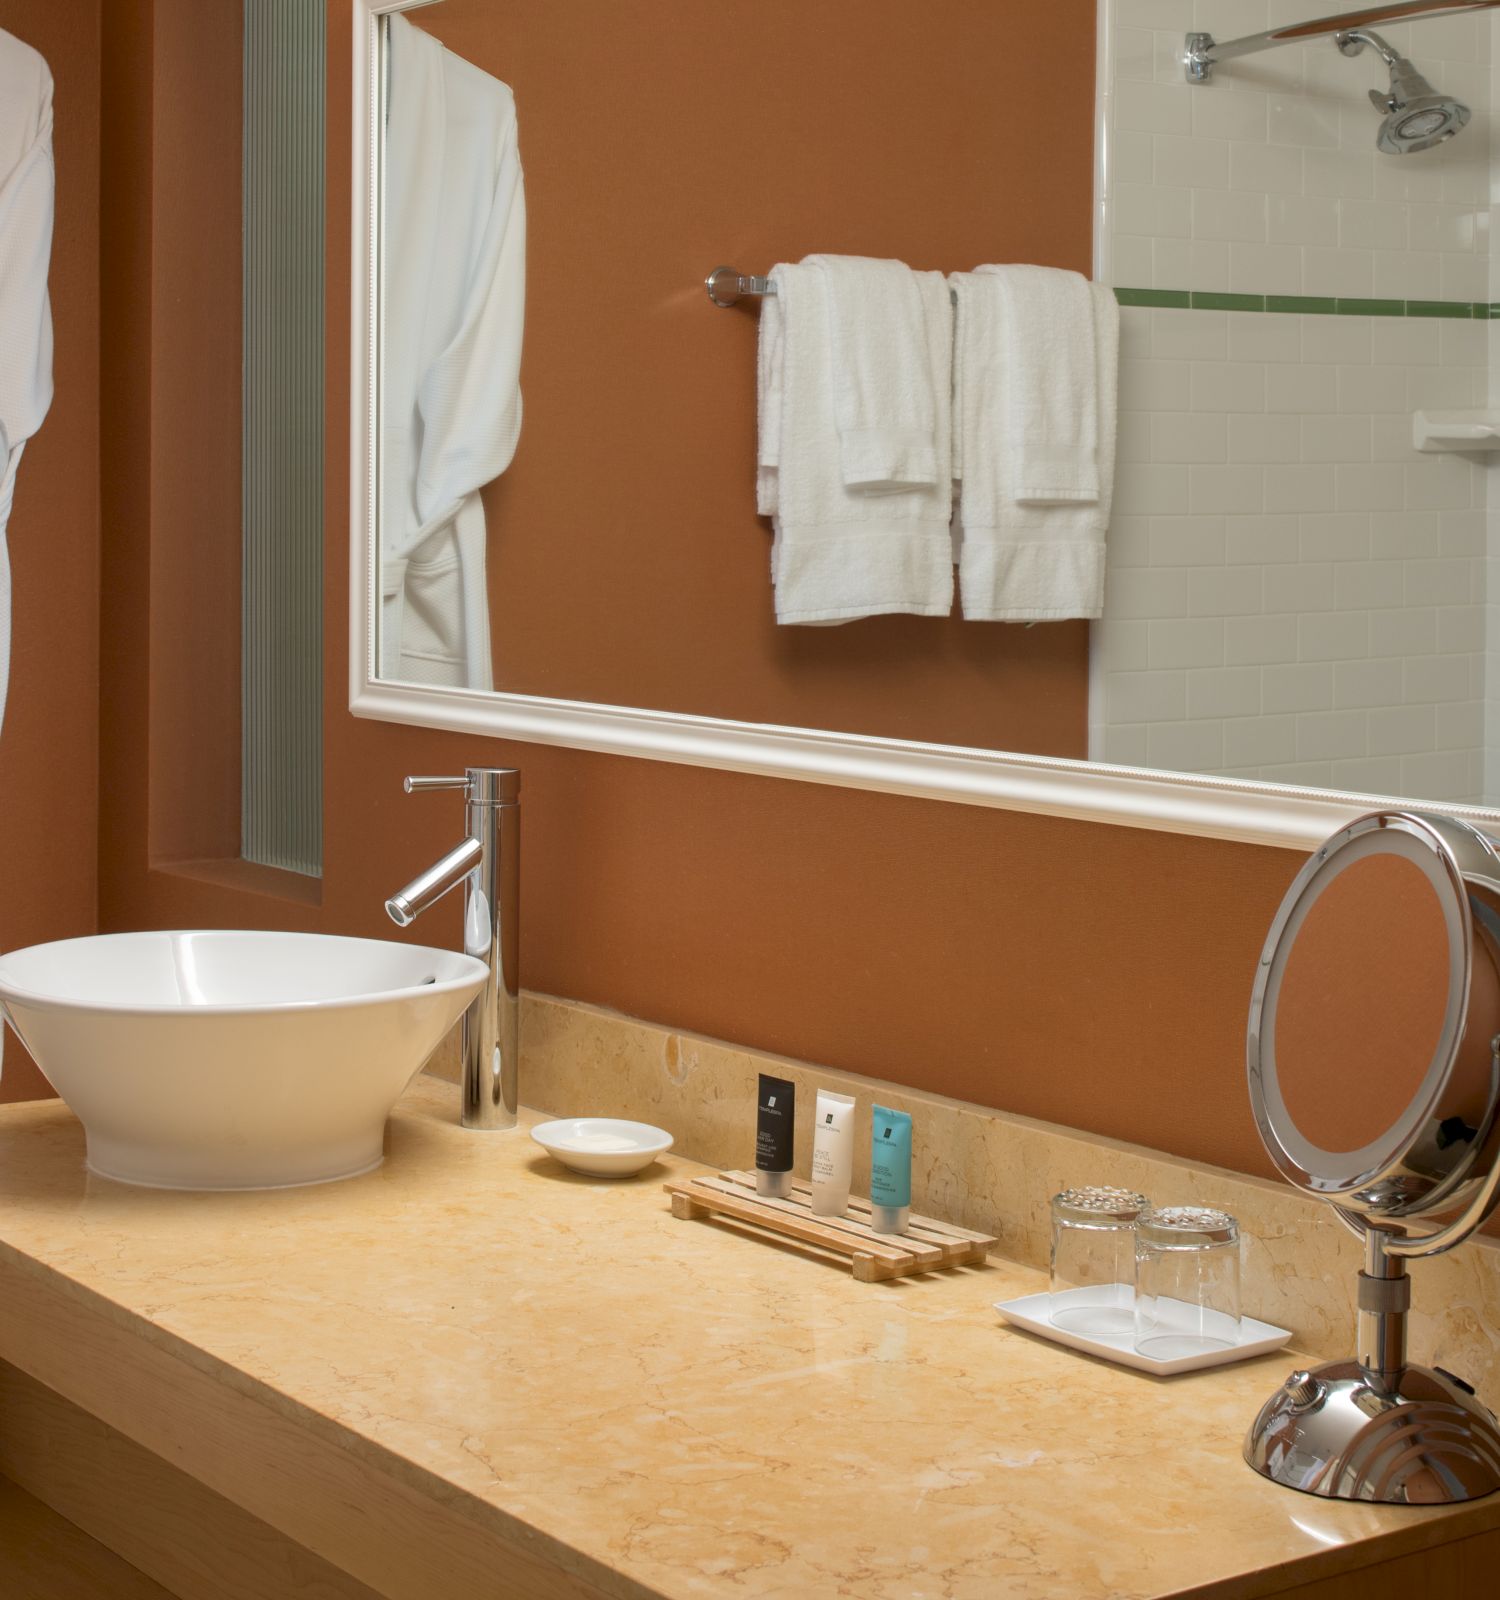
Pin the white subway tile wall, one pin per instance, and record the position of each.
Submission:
(1266, 179)
(1294, 593)
(1294, 598)
(1490, 623)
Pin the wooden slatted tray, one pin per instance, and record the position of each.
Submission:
(926, 1246)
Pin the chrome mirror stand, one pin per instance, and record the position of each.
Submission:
(1380, 1428)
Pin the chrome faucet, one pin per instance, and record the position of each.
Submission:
(488, 864)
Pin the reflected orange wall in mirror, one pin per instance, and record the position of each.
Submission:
(627, 563)
(1362, 1001)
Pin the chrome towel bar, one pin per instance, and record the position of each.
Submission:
(727, 285)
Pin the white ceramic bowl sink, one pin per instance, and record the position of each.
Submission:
(233, 1060)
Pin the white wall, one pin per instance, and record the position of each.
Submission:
(1492, 486)
(1294, 593)
(1266, 180)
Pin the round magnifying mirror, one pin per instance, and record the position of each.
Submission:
(1372, 1072)
(1374, 1082)
(1361, 1011)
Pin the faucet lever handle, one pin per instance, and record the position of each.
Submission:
(412, 785)
(482, 786)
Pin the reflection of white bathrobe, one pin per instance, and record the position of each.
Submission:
(25, 246)
(454, 286)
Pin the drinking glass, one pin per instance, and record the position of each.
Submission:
(1187, 1282)
(1093, 1260)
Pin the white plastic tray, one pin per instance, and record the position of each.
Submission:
(1033, 1312)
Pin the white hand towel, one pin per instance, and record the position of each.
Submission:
(768, 366)
(883, 397)
(839, 553)
(1051, 377)
(1020, 562)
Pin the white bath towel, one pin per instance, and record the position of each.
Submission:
(883, 398)
(1052, 378)
(26, 190)
(841, 553)
(1022, 562)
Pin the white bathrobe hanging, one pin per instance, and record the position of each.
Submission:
(454, 277)
(25, 313)
(26, 184)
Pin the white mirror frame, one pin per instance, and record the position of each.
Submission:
(1137, 797)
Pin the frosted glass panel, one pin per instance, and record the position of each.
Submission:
(284, 219)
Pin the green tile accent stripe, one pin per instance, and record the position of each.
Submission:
(1372, 308)
(1308, 305)
(1209, 301)
(1436, 308)
(1154, 297)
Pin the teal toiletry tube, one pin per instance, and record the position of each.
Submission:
(890, 1170)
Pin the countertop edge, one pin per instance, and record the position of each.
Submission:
(385, 1520)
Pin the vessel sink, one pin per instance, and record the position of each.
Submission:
(227, 1060)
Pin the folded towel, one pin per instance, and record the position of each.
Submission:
(883, 399)
(1024, 562)
(1052, 378)
(768, 363)
(840, 553)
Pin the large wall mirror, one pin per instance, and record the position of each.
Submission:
(1296, 608)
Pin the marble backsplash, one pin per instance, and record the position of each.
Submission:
(996, 1172)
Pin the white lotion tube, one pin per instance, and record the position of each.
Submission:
(833, 1153)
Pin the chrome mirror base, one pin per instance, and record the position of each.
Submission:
(1338, 1431)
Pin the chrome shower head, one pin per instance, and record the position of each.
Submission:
(1416, 115)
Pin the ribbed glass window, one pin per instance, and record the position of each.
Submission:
(284, 219)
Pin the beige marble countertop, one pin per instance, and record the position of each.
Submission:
(636, 1404)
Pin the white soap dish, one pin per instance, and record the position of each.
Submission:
(1033, 1313)
(602, 1147)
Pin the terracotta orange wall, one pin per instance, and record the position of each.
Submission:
(1094, 975)
(48, 748)
(196, 551)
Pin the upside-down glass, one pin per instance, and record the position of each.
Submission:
(1093, 1260)
(1187, 1282)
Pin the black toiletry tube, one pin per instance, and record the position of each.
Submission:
(774, 1122)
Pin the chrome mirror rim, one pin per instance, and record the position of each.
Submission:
(1379, 1179)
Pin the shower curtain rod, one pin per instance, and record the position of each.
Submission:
(1203, 52)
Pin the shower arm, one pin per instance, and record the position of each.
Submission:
(1356, 39)
(1203, 52)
